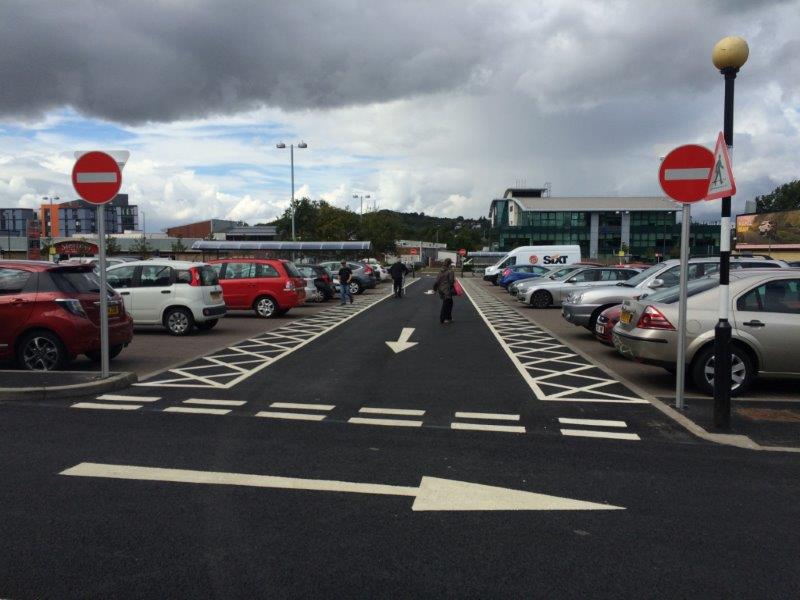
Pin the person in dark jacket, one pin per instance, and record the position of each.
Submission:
(398, 270)
(445, 286)
(345, 274)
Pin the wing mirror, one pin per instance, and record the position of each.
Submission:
(656, 283)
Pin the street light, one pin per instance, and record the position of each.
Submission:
(281, 146)
(362, 203)
(729, 55)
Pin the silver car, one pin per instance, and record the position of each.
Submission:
(765, 321)
(544, 293)
(559, 274)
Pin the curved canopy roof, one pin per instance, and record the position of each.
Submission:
(277, 246)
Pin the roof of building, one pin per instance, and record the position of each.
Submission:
(524, 192)
(254, 230)
(593, 203)
(230, 246)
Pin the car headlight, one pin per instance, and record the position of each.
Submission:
(574, 298)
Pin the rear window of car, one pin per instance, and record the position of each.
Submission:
(670, 295)
(291, 269)
(758, 265)
(76, 282)
(208, 276)
(12, 281)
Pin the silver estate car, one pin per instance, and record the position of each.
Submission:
(584, 306)
(544, 292)
(522, 285)
(765, 321)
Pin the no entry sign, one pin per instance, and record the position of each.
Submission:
(684, 173)
(96, 177)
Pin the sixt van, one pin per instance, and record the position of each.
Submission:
(534, 255)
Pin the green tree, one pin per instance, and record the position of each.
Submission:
(783, 197)
(112, 246)
(335, 223)
(382, 228)
(141, 248)
(178, 247)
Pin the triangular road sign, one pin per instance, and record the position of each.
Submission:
(720, 182)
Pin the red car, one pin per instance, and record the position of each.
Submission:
(49, 314)
(605, 324)
(268, 286)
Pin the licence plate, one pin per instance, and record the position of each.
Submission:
(113, 310)
(215, 295)
(625, 317)
(599, 329)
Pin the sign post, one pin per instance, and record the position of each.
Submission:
(684, 176)
(96, 178)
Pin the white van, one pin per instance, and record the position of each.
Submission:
(534, 255)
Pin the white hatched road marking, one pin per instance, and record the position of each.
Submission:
(273, 414)
(492, 416)
(98, 406)
(264, 349)
(205, 402)
(391, 411)
(485, 427)
(118, 398)
(384, 422)
(197, 411)
(614, 435)
(302, 406)
(590, 422)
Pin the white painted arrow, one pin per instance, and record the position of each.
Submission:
(402, 342)
(432, 494)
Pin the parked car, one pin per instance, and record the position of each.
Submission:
(381, 273)
(764, 317)
(522, 285)
(319, 284)
(50, 314)
(584, 306)
(269, 287)
(363, 275)
(175, 294)
(543, 293)
(605, 324)
(517, 272)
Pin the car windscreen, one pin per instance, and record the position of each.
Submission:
(208, 275)
(643, 276)
(670, 295)
(291, 269)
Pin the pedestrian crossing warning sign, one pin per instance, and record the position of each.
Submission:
(720, 181)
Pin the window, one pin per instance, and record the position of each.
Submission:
(240, 270)
(611, 275)
(184, 276)
(758, 265)
(155, 276)
(267, 270)
(584, 276)
(121, 277)
(208, 276)
(12, 281)
(782, 296)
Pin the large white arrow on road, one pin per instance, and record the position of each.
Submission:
(432, 494)
(402, 343)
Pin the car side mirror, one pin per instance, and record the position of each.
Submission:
(656, 283)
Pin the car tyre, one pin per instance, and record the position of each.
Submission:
(742, 370)
(113, 352)
(179, 321)
(41, 351)
(265, 307)
(541, 299)
(355, 288)
(593, 319)
(206, 325)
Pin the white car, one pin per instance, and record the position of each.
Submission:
(381, 273)
(175, 294)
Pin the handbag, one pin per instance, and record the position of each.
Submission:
(458, 289)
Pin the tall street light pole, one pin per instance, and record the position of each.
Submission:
(362, 202)
(729, 55)
(281, 145)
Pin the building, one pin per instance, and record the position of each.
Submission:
(255, 233)
(203, 229)
(14, 221)
(645, 226)
(78, 217)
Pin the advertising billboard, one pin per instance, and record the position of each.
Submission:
(769, 229)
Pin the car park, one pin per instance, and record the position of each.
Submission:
(519, 272)
(583, 307)
(543, 293)
(363, 276)
(764, 318)
(177, 295)
(269, 287)
(50, 314)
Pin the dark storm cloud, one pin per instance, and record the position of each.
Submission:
(139, 61)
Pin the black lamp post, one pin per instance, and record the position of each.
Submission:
(728, 56)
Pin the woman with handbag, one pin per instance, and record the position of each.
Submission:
(445, 285)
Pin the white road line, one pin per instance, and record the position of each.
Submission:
(600, 434)
(482, 427)
(198, 411)
(391, 411)
(492, 416)
(598, 400)
(386, 422)
(205, 402)
(302, 406)
(595, 422)
(270, 414)
(118, 398)
(99, 406)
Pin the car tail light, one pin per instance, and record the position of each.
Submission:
(326, 278)
(367, 270)
(195, 273)
(653, 319)
(506, 272)
(73, 306)
(289, 287)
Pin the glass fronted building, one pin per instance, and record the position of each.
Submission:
(645, 226)
(14, 221)
(80, 217)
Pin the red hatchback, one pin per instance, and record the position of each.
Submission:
(49, 314)
(268, 286)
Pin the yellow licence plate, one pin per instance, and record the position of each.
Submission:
(113, 310)
(625, 317)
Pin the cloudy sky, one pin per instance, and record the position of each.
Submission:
(428, 106)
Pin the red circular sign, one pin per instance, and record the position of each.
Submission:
(462, 252)
(413, 251)
(96, 177)
(533, 259)
(684, 173)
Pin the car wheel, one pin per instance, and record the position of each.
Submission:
(113, 352)
(179, 321)
(541, 299)
(494, 281)
(206, 325)
(593, 319)
(265, 307)
(317, 296)
(355, 288)
(742, 370)
(41, 351)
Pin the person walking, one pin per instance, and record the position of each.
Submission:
(398, 270)
(445, 285)
(345, 275)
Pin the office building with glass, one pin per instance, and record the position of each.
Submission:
(80, 217)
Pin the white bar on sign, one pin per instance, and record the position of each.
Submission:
(97, 178)
(685, 174)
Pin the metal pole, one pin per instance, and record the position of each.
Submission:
(680, 364)
(362, 207)
(722, 331)
(291, 152)
(101, 234)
